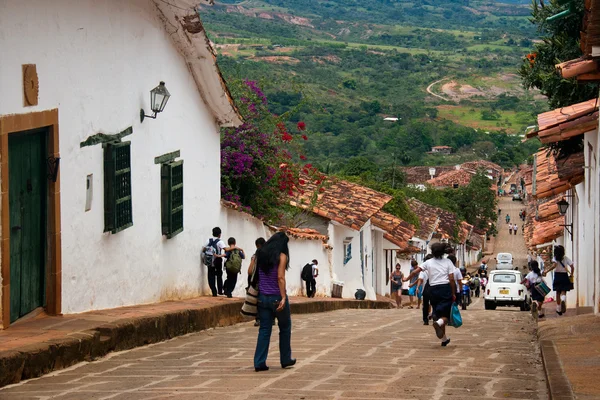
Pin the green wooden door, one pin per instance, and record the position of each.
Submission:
(27, 208)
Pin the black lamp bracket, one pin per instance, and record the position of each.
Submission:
(53, 165)
(143, 115)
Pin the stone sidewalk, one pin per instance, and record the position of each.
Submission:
(345, 354)
(570, 347)
(39, 345)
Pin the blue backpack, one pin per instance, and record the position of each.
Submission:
(210, 251)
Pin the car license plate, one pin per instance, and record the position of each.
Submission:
(504, 291)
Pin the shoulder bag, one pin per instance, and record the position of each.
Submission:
(250, 306)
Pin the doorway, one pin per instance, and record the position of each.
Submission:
(30, 242)
(27, 216)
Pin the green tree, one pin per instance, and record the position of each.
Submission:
(476, 202)
(560, 42)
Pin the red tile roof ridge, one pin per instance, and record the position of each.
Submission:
(344, 202)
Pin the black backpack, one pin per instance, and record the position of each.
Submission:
(307, 274)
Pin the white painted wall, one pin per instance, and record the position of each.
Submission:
(246, 229)
(97, 62)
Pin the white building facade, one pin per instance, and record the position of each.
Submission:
(71, 71)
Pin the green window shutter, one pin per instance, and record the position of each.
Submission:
(117, 187)
(172, 198)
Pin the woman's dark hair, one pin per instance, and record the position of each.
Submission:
(267, 257)
(414, 263)
(428, 257)
(438, 250)
(535, 267)
(452, 258)
(559, 253)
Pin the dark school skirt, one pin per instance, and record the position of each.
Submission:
(441, 300)
(535, 295)
(561, 282)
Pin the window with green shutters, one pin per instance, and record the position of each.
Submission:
(172, 198)
(117, 187)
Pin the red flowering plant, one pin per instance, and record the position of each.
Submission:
(260, 160)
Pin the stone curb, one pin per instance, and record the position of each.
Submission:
(559, 387)
(38, 359)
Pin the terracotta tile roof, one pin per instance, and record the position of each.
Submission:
(567, 122)
(476, 240)
(441, 147)
(547, 231)
(570, 168)
(464, 232)
(304, 233)
(433, 219)
(343, 202)
(420, 174)
(487, 165)
(397, 231)
(428, 218)
(547, 180)
(462, 177)
(590, 35)
(548, 210)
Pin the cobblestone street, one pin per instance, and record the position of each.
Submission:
(374, 354)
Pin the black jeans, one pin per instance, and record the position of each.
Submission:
(426, 301)
(230, 282)
(216, 273)
(311, 288)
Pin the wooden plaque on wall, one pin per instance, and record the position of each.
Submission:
(31, 85)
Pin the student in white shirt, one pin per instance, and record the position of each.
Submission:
(440, 271)
(562, 279)
(533, 278)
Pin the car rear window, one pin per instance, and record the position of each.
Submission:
(505, 278)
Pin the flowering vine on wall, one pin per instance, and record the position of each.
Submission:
(262, 165)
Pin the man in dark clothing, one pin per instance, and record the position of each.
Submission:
(311, 284)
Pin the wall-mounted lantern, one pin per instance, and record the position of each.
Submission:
(158, 100)
(563, 206)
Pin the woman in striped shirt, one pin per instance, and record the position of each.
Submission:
(272, 261)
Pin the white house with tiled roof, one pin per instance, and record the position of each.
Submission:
(98, 208)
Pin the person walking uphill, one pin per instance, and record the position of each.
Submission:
(442, 288)
(562, 280)
(272, 261)
(212, 256)
(233, 266)
(309, 275)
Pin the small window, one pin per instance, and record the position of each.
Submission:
(505, 278)
(117, 187)
(347, 252)
(172, 198)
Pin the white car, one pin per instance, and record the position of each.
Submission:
(504, 289)
(504, 261)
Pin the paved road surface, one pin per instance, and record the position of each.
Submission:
(348, 354)
(510, 243)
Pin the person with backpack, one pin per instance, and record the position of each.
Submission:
(563, 280)
(260, 242)
(477, 285)
(309, 275)
(212, 256)
(233, 266)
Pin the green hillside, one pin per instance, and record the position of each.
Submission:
(445, 68)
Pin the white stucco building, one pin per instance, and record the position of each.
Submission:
(572, 182)
(93, 237)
